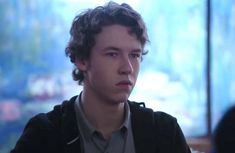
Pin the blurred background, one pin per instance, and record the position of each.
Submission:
(187, 73)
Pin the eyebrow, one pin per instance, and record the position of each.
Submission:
(118, 49)
(111, 48)
(137, 50)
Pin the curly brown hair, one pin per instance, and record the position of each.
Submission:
(89, 23)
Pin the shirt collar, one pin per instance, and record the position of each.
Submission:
(88, 130)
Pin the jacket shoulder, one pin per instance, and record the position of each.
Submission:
(160, 128)
(38, 132)
(159, 116)
(44, 129)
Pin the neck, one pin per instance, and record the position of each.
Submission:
(106, 117)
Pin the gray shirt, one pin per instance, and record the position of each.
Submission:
(93, 141)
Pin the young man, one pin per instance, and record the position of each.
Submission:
(106, 47)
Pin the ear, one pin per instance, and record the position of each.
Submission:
(81, 64)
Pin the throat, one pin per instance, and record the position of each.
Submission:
(105, 119)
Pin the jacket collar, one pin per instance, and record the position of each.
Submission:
(143, 126)
(69, 128)
(142, 123)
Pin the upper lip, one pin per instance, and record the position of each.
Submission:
(128, 82)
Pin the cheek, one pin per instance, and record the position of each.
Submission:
(100, 71)
(136, 67)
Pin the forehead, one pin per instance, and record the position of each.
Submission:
(117, 35)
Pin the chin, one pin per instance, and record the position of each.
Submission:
(123, 98)
(120, 97)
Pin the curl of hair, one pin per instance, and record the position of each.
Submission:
(89, 23)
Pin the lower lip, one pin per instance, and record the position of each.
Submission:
(124, 86)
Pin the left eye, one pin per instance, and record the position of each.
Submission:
(135, 55)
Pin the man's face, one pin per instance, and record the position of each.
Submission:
(113, 67)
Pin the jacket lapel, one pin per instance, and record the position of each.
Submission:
(143, 128)
(69, 127)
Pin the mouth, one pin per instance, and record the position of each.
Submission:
(125, 83)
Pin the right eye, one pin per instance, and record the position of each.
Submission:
(112, 54)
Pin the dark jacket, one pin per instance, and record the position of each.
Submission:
(223, 138)
(57, 132)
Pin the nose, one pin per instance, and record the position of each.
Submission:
(126, 66)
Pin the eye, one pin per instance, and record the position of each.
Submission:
(135, 55)
(112, 54)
